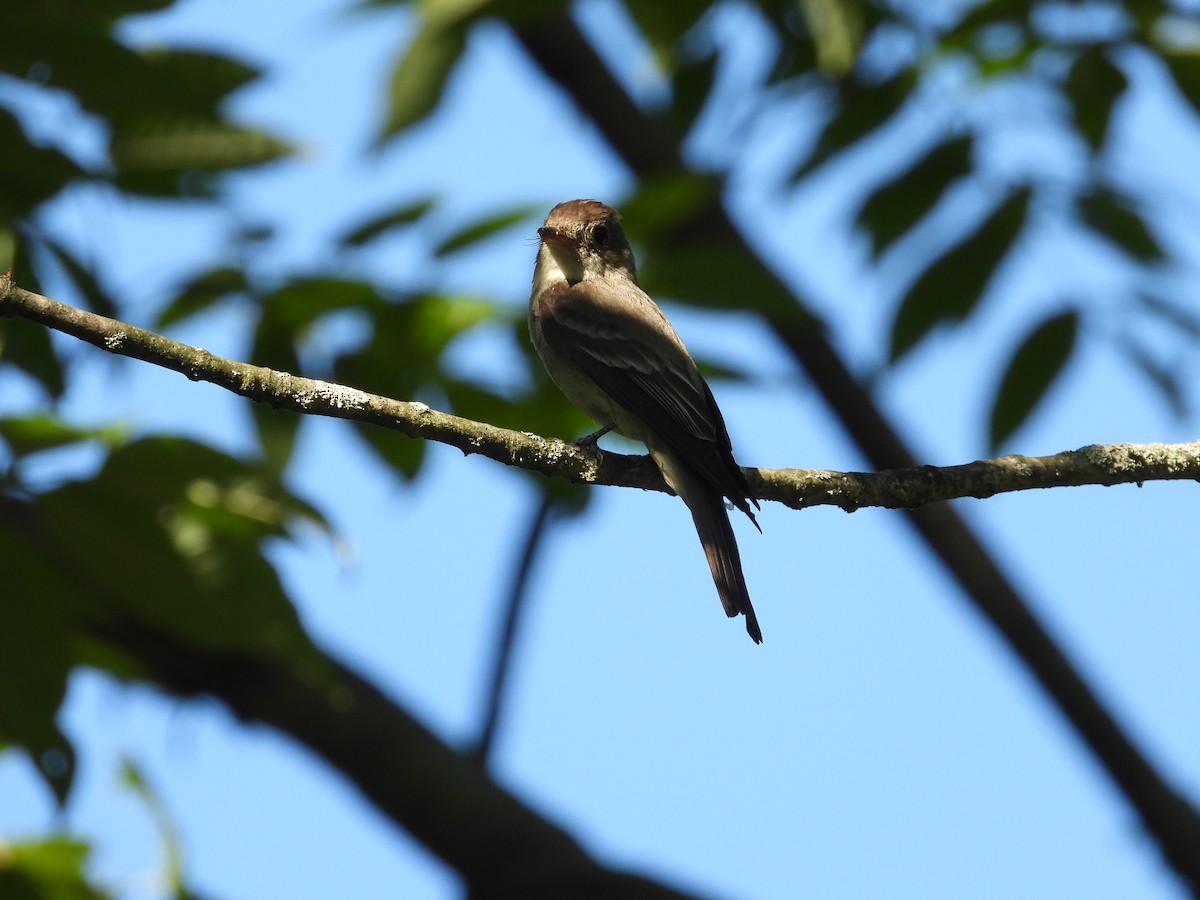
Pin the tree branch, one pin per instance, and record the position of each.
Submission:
(906, 488)
(441, 797)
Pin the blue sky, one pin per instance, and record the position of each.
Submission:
(882, 742)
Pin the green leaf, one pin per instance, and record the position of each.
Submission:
(1177, 316)
(419, 78)
(30, 175)
(27, 346)
(96, 297)
(168, 832)
(836, 28)
(900, 203)
(394, 219)
(691, 86)
(296, 305)
(186, 557)
(1094, 84)
(950, 288)
(484, 228)
(1033, 368)
(203, 291)
(860, 109)
(53, 869)
(664, 24)
(157, 157)
(1116, 218)
(399, 452)
(40, 621)
(1185, 71)
(1164, 378)
(34, 434)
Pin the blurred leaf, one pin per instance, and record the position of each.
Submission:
(951, 287)
(993, 12)
(97, 297)
(34, 434)
(155, 157)
(836, 28)
(35, 656)
(664, 24)
(29, 175)
(299, 303)
(201, 292)
(860, 109)
(484, 228)
(403, 357)
(168, 833)
(53, 869)
(420, 75)
(1031, 371)
(900, 203)
(397, 218)
(1185, 320)
(1113, 215)
(1094, 84)
(1185, 71)
(1167, 381)
(397, 451)
(187, 558)
(27, 346)
(691, 85)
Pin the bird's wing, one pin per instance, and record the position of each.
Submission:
(620, 339)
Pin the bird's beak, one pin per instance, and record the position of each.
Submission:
(556, 237)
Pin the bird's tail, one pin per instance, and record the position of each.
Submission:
(720, 547)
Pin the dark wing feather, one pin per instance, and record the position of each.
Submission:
(619, 343)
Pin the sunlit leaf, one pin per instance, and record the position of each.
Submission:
(952, 286)
(33, 434)
(1032, 369)
(1114, 216)
(836, 28)
(420, 75)
(899, 204)
(1094, 84)
(297, 304)
(51, 869)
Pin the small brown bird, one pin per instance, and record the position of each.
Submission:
(611, 350)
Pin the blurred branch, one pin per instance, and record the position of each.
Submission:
(650, 149)
(441, 797)
(907, 488)
(517, 595)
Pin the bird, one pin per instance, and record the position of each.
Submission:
(613, 353)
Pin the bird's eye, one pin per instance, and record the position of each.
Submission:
(600, 235)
